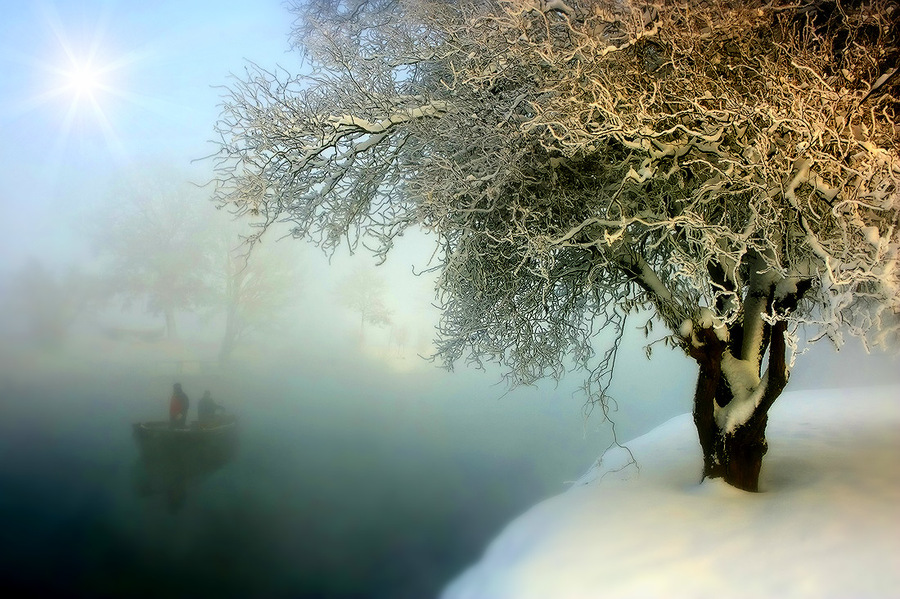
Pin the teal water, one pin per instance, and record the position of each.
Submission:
(328, 495)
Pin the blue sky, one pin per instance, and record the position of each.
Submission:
(159, 64)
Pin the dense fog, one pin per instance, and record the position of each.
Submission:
(361, 468)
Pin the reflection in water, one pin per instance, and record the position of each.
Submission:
(171, 457)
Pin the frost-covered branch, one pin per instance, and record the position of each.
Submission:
(736, 161)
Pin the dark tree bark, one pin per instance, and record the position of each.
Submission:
(735, 456)
(743, 452)
(709, 379)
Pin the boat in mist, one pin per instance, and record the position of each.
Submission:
(160, 436)
(172, 457)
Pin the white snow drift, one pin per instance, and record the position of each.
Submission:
(827, 523)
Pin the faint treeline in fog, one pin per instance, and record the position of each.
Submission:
(162, 275)
(164, 281)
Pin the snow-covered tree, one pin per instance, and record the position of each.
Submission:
(731, 166)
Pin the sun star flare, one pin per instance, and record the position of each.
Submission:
(84, 79)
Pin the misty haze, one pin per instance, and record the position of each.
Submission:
(403, 348)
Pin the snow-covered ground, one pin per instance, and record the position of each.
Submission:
(827, 523)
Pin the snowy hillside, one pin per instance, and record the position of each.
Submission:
(827, 523)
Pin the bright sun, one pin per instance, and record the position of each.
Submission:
(85, 79)
(84, 83)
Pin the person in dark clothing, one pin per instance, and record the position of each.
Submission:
(207, 409)
(178, 407)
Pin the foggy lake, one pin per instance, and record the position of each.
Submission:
(364, 485)
(349, 478)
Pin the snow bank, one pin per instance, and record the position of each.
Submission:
(825, 525)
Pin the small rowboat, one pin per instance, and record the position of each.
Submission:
(160, 438)
(171, 457)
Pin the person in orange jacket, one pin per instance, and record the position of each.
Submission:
(178, 407)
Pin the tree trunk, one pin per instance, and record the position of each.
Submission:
(229, 338)
(734, 456)
(171, 330)
(226, 349)
(744, 450)
(708, 381)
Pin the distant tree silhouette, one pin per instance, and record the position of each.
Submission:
(154, 243)
(255, 283)
(363, 292)
(48, 303)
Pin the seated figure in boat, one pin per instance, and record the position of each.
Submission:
(178, 407)
(207, 410)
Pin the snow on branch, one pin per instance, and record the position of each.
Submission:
(350, 122)
(577, 159)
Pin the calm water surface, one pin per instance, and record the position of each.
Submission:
(336, 489)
